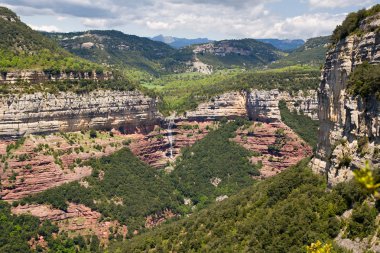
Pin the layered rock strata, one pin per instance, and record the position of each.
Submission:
(350, 125)
(102, 109)
(34, 76)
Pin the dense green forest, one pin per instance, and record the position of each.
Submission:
(18, 230)
(214, 158)
(301, 124)
(23, 48)
(281, 214)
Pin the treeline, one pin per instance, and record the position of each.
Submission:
(352, 22)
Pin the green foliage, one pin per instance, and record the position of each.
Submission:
(142, 189)
(213, 157)
(365, 80)
(93, 134)
(362, 222)
(184, 92)
(312, 53)
(352, 22)
(301, 124)
(16, 231)
(138, 56)
(282, 214)
(23, 48)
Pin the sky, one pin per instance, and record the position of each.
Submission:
(213, 19)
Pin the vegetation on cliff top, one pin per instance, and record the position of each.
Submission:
(365, 80)
(185, 92)
(352, 22)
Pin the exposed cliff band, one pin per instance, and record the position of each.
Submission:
(102, 109)
(350, 125)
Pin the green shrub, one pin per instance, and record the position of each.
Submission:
(363, 221)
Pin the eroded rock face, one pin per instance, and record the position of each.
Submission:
(43, 162)
(34, 76)
(102, 109)
(229, 105)
(346, 120)
(78, 219)
(260, 136)
(256, 104)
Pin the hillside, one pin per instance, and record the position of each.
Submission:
(22, 48)
(282, 214)
(121, 50)
(284, 45)
(311, 53)
(245, 53)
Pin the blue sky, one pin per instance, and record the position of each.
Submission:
(214, 19)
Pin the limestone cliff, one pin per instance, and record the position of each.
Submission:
(35, 76)
(256, 104)
(103, 109)
(349, 130)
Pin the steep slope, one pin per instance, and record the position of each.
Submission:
(22, 48)
(116, 48)
(282, 214)
(348, 99)
(284, 45)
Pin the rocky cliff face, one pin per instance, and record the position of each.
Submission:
(33, 76)
(44, 113)
(349, 130)
(257, 105)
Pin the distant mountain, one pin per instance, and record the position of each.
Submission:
(285, 45)
(231, 53)
(116, 48)
(180, 42)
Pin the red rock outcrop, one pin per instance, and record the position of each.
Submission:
(262, 135)
(78, 219)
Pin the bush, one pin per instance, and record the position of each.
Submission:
(93, 134)
(363, 221)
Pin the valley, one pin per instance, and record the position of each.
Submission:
(112, 142)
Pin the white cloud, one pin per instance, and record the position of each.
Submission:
(339, 3)
(45, 28)
(158, 25)
(306, 26)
